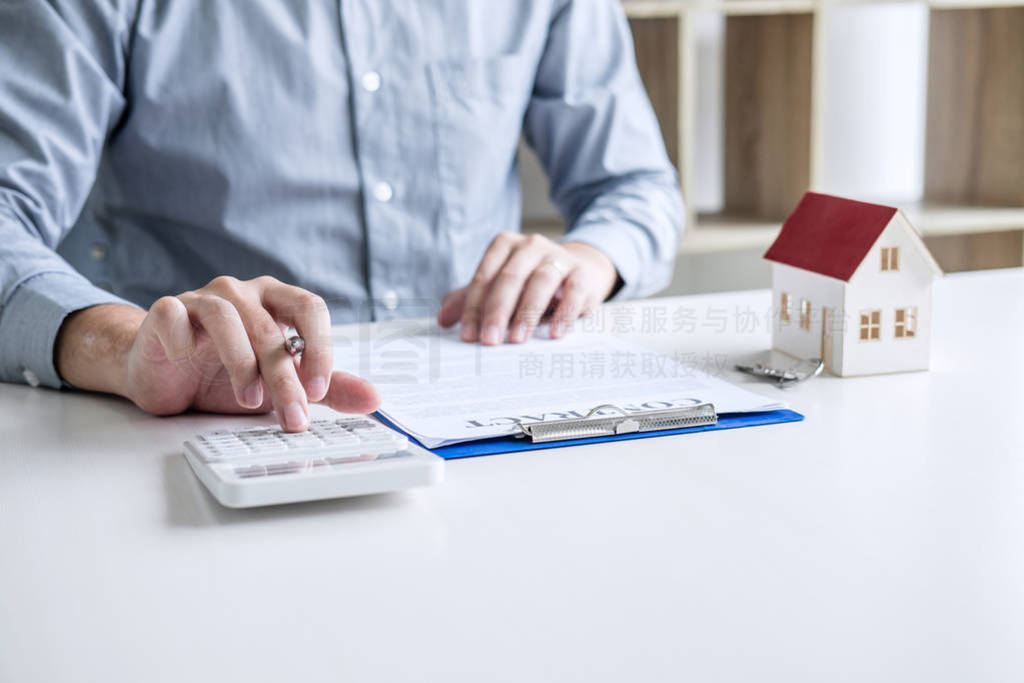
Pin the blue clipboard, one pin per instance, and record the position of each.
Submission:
(511, 444)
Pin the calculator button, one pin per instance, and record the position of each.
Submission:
(267, 445)
(340, 440)
(222, 439)
(352, 421)
(393, 454)
(370, 435)
(229, 452)
(250, 434)
(300, 436)
(325, 445)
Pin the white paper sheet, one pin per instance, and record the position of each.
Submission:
(443, 391)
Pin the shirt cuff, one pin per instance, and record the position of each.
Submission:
(31, 318)
(619, 245)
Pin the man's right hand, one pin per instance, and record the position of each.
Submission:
(217, 349)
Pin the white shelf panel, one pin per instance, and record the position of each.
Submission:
(969, 4)
(736, 7)
(940, 219)
(653, 9)
(722, 232)
(719, 232)
(712, 234)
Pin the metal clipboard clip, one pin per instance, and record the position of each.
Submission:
(594, 425)
(803, 370)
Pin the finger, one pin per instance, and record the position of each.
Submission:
(534, 303)
(350, 394)
(309, 315)
(506, 288)
(277, 367)
(494, 258)
(451, 307)
(220, 319)
(574, 302)
(173, 329)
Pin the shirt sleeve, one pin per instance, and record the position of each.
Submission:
(60, 96)
(592, 126)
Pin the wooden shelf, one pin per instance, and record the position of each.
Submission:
(773, 84)
(735, 232)
(660, 46)
(975, 127)
(768, 118)
(977, 251)
(723, 231)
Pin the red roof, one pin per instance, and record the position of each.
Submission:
(829, 235)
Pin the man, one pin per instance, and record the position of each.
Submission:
(167, 166)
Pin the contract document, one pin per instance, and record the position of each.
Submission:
(441, 390)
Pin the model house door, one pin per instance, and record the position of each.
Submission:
(826, 337)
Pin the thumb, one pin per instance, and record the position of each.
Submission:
(350, 394)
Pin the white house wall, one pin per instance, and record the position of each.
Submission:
(822, 292)
(871, 288)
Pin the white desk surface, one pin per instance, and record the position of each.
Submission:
(880, 540)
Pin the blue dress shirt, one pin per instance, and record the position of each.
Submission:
(362, 149)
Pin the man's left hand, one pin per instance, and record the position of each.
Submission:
(522, 279)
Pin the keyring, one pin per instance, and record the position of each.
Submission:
(784, 377)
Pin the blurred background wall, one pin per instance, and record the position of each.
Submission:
(918, 105)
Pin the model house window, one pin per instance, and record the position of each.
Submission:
(784, 308)
(890, 258)
(870, 325)
(906, 323)
(805, 314)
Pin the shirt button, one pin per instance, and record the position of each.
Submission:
(390, 300)
(371, 81)
(383, 192)
(31, 378)
(98, 252)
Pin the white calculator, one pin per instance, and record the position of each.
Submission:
(344, 456)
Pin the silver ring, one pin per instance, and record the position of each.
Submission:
(294, 345)
(557, 265)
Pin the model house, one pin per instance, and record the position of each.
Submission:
(852, 285)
